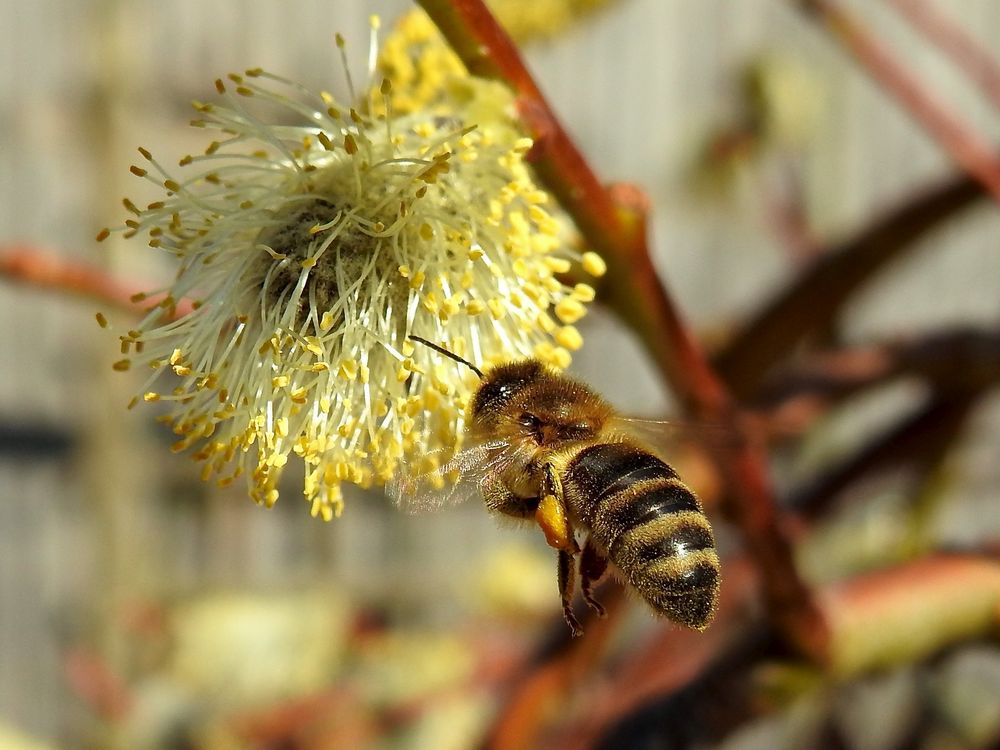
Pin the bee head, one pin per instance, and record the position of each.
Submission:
(502, 384)
(538, 404)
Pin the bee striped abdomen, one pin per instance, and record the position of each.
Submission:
(651, 526)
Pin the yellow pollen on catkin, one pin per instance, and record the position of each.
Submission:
(570, 310)
(594, 264)
(319, 248)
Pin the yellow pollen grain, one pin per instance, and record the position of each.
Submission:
(569, 310)
(569, 337)
(584, 293)
(497, 308)
(348, 369)
(557, 265)
(594, 264)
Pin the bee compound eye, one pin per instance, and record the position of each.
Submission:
(529, 420)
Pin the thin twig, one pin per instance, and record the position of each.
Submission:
(965, 146)
(953, 360)
(43, 269)
(614, 223)
(813, 300)
(972, 57)
(918, 435)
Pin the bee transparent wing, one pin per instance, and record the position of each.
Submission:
(462, 476)
(663, 434)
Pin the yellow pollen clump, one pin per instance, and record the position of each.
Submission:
(594, 264)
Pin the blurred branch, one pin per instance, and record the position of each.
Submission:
(974, 59)
(918, 436)
(43, 269)
(670, 660)
(901, 615)
(971, 152)
(955, 360)
(907, 613)
(614, 223)
(529, 705)
(39, 268)
(812, 301)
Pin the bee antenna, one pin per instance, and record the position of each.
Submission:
(449, 355)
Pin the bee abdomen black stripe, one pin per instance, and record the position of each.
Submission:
(659, 500)
(690, 537)
(605, 469)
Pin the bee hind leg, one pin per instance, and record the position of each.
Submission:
(566, 575)
(592, 568)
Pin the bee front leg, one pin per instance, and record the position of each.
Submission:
(592, 567)
(566, 581)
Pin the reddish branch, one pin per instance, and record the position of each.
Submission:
(25, 264)
(918, 437)
(809, 303)
(613, 222)
(31, 265)
(952, 361)
(974, 59)
(900, 615)
(963, 144)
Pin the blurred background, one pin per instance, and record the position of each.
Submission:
(140, 608)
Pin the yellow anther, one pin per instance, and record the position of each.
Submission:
(584, 293)
(326, 321)
(122, 365)
(101, 320)
(497, 308)
(594, 264)
(557, 265)
(569, 337)
(279, 381)
(348, 369)
(570, 310)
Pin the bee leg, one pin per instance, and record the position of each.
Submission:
(592, 567)
(566, 591)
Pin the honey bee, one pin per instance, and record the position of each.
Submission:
(549, 449)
